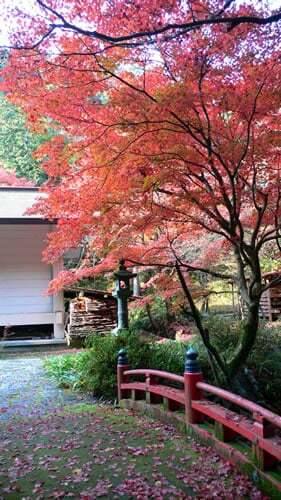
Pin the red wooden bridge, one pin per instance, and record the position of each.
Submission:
(257, 425)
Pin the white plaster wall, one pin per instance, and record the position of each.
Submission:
(58, 304)
(24, 277)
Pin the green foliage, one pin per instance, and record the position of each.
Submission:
(168, 356)
(262, 374)
(224, 333)
(66, 369)
(161, 317)
(94, 370)
(265, 363)
(139, 320)
(269, 257)
(99, 375)
(17, 143)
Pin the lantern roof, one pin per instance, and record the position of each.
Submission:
(122, 272)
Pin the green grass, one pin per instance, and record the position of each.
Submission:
(276, 474)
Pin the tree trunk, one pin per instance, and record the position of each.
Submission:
(250, 291)
(169, 315)
(215, 359)
(246, 341)
(151, 319)
(136, 283)
(230, 369)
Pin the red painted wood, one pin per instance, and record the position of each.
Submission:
(157, 373)
(162, 390)
(272, 446)
(238, 423)
(241, 425)
(263, 427)
(138, 386)
(121, 378)
(192, 392)
(242, 402)
(258, 429)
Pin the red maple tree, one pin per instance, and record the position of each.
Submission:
(160, 142)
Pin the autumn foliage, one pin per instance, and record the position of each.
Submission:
(158, 145)
(8, 178)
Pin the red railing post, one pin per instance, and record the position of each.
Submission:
(150, 397)
(122, 366)
(263, 430)
(192, 375)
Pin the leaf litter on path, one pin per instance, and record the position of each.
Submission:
(79, 455)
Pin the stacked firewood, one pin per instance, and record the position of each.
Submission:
(91, 315)
(270, 303)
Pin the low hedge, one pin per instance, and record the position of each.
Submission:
(94, 369)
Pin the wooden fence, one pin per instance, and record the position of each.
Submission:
(258, 425)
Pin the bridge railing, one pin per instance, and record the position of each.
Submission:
(256, 424)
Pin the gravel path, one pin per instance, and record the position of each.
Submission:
(26, 391)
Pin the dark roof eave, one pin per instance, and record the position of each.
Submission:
(27, 220)
(19, 188)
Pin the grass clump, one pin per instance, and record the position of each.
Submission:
(94, 370)
(66, 369)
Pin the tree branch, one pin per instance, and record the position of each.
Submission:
(151, 36)
(231, 22)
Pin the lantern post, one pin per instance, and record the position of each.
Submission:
(122, 292)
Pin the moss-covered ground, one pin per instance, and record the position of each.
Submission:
(88, 451)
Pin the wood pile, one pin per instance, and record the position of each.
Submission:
(91, 315)
(270, 303)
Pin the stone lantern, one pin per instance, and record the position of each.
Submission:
(122, 292)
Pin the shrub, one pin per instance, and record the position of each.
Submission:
(139, 320)
(94, 370)
(67, 368)
(265, 364)
(99, 372)
(168, 356)
(159, 317)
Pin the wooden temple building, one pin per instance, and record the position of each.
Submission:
(24, 278)
(270, 304)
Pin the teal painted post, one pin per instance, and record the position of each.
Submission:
(122, 366)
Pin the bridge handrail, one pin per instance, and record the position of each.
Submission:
(155, 373)
(260, 428)
(242, 402)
